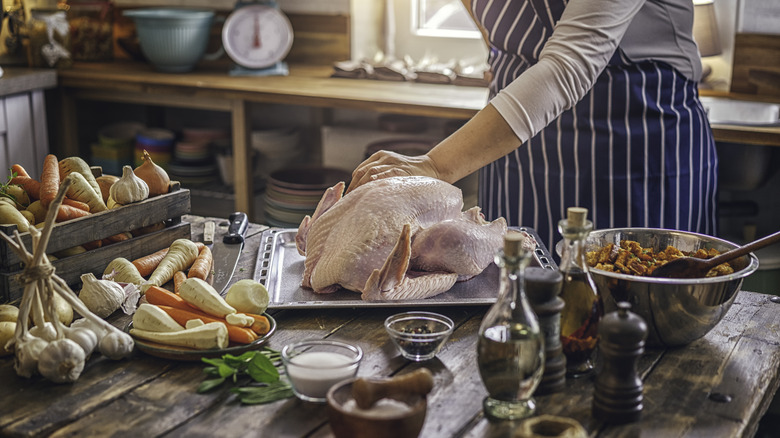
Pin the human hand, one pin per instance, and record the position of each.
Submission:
(384, 164)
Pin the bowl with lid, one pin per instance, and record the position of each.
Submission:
(677, 311)
(172, 39)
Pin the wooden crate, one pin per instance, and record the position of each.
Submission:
(166, 208)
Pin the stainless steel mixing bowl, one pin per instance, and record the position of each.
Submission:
(677, 311)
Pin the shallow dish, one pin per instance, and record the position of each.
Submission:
(187, 354)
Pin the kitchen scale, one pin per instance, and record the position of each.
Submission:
(257, 36)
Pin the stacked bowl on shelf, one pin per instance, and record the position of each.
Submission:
(158, 142)
(193, 162)
(115, 145)
(294, 192)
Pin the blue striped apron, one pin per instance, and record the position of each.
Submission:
(636, 151)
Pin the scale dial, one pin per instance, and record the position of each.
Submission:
(257, 36)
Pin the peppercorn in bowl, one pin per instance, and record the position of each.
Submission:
(419, 336)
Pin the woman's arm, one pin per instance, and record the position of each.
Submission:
(584, 40)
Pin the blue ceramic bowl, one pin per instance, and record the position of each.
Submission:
(172, 39)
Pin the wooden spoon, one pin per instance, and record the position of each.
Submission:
(693, 267)
(367, 392)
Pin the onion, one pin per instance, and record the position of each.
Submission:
(153, 175)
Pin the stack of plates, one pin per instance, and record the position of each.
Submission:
(294, 192)
(193, 159)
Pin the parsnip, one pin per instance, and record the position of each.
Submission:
(11, 216)
(151, 318)
(203, 296)
(206, 337)
(78, 165)
(180, 256)
(248, 296)
(80, 190)
(123, 271)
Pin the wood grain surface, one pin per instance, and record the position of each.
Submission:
(684, 387)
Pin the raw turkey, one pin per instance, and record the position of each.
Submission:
(397, 238)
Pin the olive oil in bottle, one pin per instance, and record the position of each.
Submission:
(582, 308)
(510, 351)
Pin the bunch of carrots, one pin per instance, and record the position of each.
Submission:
(46, 189)
(182, 311)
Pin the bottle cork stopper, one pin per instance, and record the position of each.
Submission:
(576, 216)
(513, 243)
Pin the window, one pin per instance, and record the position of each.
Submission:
(436, 29)
(446, 18)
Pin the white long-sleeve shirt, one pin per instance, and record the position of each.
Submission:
(584, 40)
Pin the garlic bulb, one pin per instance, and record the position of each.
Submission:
(86, 338)
(61, 361)
(129, 188)
(153, 175)
(116, 345)
(27, 353)
(102, 297)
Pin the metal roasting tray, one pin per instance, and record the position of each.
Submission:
(280, 268)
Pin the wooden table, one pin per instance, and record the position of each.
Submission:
(146, 396)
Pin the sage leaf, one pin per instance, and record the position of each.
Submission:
(208, 385)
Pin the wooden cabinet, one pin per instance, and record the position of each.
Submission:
(24, 136)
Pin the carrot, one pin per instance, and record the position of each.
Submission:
(31, 186)
(19, 170)
(178, 278)
(121, 237)
(148, 263)
(261, 325)
(95, 244)
(50, 180)
(239, 335)
(163, 297)
(74, 203)
(67, 212)
(201, 267)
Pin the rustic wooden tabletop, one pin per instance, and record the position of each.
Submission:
(720, 385)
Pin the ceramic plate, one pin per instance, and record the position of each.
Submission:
(187, 354)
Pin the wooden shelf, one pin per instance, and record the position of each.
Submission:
(211, 87)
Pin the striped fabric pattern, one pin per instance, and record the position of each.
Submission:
(636, 151)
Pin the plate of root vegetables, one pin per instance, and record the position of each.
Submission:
(198, 322)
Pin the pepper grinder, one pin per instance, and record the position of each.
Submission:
(543, 287)
(617, 397)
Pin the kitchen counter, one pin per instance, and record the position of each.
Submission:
(718, 386)
(21, 80)
(211, 88)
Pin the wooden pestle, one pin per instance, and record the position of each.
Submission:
(367, 392)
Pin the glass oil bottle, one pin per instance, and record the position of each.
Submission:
(583, 307)
(510, 351)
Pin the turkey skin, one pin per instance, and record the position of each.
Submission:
(399, 238)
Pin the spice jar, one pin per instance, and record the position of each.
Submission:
(91, 30)
(48, 34)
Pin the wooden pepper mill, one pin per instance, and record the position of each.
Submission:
(542, 287)
(617, 396)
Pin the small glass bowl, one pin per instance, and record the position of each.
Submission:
(419, 336)
(313, 366)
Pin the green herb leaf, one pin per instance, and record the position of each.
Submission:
(253, 395)
(261, 369)
(261, 366)
(208, 385)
